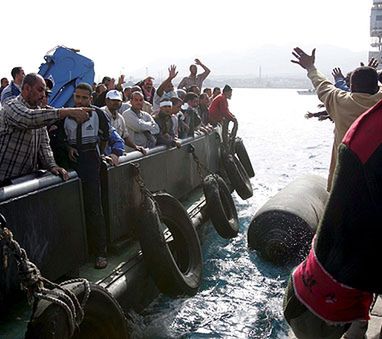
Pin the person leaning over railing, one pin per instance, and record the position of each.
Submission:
(218, 109)
(141, 126)
(24, 141)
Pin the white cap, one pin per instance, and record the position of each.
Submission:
(114, 95)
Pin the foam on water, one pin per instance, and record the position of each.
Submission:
(241, 294)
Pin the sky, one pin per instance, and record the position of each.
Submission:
(123, 36)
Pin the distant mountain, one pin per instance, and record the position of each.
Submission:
(263, 62)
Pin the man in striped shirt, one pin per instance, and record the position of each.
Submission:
(24, 141)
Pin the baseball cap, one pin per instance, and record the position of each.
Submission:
(114, 95)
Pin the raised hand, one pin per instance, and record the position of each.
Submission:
(303, 59)
(198, 62)
(172, 73)
(337, 74)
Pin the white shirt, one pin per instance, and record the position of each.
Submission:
(137, 124)
(118, 122)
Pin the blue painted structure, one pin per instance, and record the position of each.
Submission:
(66, 68)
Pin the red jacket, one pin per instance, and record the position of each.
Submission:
(219, 110)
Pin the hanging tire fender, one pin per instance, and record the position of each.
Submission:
(175, 265)
(243, 156)
(220, 206)
(237, 176)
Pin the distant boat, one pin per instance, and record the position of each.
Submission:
(307, 91)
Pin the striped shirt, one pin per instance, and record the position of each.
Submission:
(24, 140)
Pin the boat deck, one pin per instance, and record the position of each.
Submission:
(122, 260)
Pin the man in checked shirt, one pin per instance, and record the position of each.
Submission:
(24, 141)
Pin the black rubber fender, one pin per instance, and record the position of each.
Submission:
(103, 318)
(243, 156)
(176, 265)
(220, 206)
(283, 228)
(237, 175)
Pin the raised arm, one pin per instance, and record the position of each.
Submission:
(206, 72)
(172, 73)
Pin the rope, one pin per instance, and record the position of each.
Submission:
(34, 283)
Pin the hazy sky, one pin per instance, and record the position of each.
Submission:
(126, 36)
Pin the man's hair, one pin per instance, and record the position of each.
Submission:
(85, 86)
(227, 88)
(216, 89)
(15, 71)
(98, 88)
(206, 89)
(136, 88)
(176, 100)
(203, 96)
(137, 93)
(190, 96)
(30, 79)
(105, 79)
(2, 80)
(364, 79)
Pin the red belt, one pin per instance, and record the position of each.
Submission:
(326, 297)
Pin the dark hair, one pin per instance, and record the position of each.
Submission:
(203, 95)
(364, 80)
(15, 71)
(85, 86)
(206, 89)
(176, 100)
(137, 93)
(190, 96)
(193, 88)
(105, 79)
(216, 89)
(98, 88)
(3, 79)
(227, 88)
(30, 79)
(136, 88)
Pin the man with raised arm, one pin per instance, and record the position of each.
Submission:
(24, 141)
(343, 107)
(166, 89)
(195, 79)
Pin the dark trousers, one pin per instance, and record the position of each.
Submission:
(88, 169)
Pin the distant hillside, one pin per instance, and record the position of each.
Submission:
(269, 64)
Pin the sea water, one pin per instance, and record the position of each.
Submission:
(241, 294)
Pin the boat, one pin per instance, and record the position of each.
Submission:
(46, 217)
(310, 91)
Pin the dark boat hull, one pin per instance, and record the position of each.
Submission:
(32, 212)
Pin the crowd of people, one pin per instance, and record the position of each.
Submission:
(107, 120)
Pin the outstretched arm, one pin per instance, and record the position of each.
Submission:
(304, 60)
(205, 68)
(172, 73)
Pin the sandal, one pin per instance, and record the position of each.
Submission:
(100, 263)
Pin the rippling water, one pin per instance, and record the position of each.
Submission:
(241, 294)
